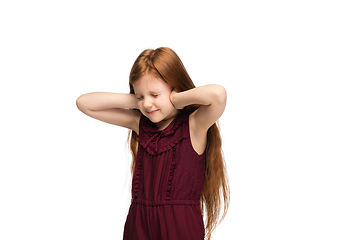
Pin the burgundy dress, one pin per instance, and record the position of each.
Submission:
(166, 185)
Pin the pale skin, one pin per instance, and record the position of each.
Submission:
(157, 100)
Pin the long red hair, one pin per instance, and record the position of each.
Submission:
(215, 194)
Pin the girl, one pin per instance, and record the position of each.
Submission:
(178, 170)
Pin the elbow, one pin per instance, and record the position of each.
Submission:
(80, 103)
(220, 94)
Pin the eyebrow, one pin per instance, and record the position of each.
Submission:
(157, 91)
(151, 92)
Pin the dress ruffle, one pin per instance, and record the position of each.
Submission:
(137, 176)
(171, 175)
(157, 141)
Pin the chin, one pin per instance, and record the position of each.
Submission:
(154, 119)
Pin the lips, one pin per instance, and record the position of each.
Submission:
(152, 112)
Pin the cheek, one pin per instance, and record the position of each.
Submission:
(164, 103)
(139, 105)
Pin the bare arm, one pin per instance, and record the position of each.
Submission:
(113, 108)
(212, 99)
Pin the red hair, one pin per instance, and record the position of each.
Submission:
(165, 63)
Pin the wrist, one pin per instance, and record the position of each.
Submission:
(133, 102)
(173, 96)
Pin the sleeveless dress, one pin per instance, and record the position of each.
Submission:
(166, 185)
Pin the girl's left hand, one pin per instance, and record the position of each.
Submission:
(171, 98)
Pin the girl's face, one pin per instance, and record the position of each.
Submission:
(153, 95)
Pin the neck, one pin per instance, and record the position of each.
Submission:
(166, 121)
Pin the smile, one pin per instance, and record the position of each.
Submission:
(152, 112)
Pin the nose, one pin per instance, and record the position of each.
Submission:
(147, 104)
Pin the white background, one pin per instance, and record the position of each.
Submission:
(291, 132)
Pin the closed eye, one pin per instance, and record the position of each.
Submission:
(140, 98)
(154, 95)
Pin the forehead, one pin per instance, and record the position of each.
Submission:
(149, 83)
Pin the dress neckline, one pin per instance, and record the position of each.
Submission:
(156, 141)
(154, 128)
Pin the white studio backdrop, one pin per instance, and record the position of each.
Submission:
(290, 131)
